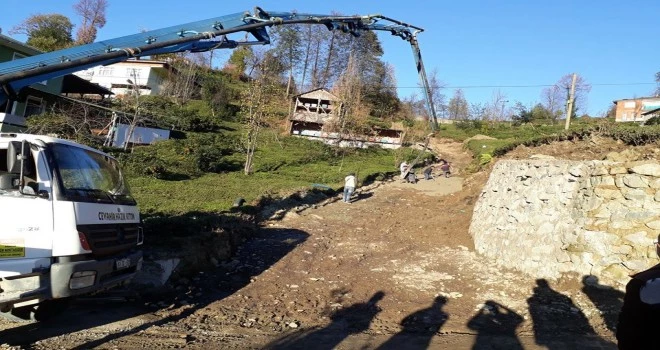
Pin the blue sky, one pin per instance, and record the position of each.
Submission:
(470, 43)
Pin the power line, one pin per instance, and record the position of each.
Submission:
(513, 86)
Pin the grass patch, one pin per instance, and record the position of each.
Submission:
(479, 147)
(282, 165)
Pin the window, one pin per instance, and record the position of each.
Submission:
(33, 106)
(105, 71)
(133, 73)
(90, 177)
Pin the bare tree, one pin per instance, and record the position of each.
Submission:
(93, 19)
(435, 89)
(308, 37)
(582, 89)
(553, 99)
(67, 120)
(352, 115)
(181, 84)
(478, 111)
(260, 103)
(496, 108)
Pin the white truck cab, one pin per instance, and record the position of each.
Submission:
(68, 223)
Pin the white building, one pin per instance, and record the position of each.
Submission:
(121, 77)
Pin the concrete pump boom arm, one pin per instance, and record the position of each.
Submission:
(197, 36)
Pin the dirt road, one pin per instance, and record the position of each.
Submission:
(395, 269)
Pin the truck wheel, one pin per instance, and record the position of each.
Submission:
(39, 312)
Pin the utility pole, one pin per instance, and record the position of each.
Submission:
(570, 102)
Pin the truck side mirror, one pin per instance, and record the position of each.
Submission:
(17, 152)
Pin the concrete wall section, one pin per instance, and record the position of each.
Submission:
(548, 217)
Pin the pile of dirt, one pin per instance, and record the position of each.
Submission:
(478, 137)
(593, 148)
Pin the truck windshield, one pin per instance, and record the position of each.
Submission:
(90, 176)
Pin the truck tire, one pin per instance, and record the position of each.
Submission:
(39, 312)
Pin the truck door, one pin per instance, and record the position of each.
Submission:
(26, 220)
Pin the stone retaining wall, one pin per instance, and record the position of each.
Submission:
(547, 217)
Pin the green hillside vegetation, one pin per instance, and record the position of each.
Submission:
(204, 171)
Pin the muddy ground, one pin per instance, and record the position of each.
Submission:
(394, 269)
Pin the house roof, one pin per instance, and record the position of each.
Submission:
(638, 98)
(152, 63)
(18, 46)
(316, 94)
(653, 111)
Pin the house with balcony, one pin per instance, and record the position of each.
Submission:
(314, 116)
(637, 109)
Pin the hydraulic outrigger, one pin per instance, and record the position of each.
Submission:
(197, 36)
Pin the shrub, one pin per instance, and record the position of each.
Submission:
(179, 159)
(485, 158)
(653, 121)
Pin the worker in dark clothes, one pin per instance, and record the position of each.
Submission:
(639, 319)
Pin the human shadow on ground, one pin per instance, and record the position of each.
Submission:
(554, 314)
(257, 254)
(495, 320)
(607, 299)
(346, 321)
(372, 178)
(362, 195)
(419, 327)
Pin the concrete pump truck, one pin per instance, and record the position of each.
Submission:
(69, 225)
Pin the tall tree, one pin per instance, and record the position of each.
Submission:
(92, 13)
(260, 103)
(287, 41)
(352, 115)
(657, 80)
(46, 32)
(458, 107)
(307, 38)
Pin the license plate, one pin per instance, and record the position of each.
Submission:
(123, 263)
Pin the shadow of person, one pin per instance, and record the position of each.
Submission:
(351, 320)
(363, 195)
(493, 321)
(557, 320)
(607, 299)
(419, 327)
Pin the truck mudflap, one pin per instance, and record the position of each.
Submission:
(90, 276)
